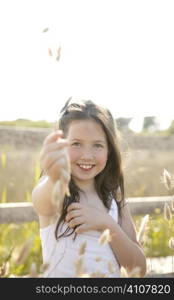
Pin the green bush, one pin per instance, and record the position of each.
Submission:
(15, 235)
(27, 123)
(157, 235)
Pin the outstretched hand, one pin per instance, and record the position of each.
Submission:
(53, 156)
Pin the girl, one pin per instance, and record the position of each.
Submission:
(70, 232)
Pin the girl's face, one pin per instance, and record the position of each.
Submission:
(88, 150)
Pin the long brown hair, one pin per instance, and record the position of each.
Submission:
(109, 183)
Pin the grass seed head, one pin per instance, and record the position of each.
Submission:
(85, 275)
(110, 267)
(172, 204)
(171, 243)
(105, 237)
(123, 273)
(79, 266)
(4, 269)
(135, 272)
(33, 270)
(45, 30)
(82, 248)
(50, 52)
(44, 267)
(24, 252)
(142, 229)
(58, 54)
(167, 179)
(98, 259)
(98, 274)
(167, 212)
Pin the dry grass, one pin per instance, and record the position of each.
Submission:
(142, 230)
(143, 169)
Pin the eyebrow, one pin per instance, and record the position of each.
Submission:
(95, 141)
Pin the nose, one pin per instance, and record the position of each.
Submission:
(87, 154)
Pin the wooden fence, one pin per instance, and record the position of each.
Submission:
(24, 212)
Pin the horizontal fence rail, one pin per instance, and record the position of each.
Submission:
(23, 211)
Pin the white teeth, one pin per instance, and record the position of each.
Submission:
(86, 166)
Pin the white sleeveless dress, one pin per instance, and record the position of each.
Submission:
(62, 255)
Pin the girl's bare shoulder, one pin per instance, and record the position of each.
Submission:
(45, 221)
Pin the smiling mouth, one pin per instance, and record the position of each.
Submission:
(85, 167)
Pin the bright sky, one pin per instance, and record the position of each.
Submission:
(117, 53)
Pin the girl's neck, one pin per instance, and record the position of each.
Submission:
(91, 198)
(87, 188)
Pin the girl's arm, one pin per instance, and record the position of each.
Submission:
(41, 197)
(124, 243)
(53, 160)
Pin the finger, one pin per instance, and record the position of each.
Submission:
(74, 205)
(51, 159)
(53, 147)
(73, 214)
(62, 141)
(75, 222)
(52, 137)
